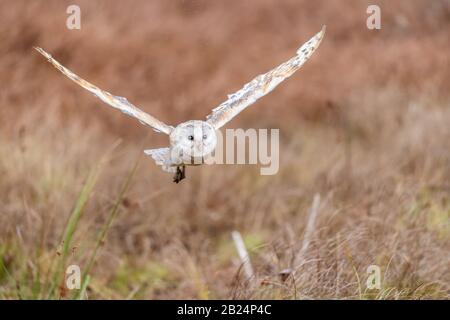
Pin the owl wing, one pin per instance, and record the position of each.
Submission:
(120, 103)
(262, 84)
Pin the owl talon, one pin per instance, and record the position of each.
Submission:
(180, 174)
(183, 173)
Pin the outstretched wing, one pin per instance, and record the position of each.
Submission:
(114, 101)
(262, 84)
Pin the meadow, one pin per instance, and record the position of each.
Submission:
(364, 130)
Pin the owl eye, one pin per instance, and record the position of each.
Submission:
(204, 136)
(191, 137)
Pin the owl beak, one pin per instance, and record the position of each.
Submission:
(199, 145)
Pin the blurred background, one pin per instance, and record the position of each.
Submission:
(365, 125)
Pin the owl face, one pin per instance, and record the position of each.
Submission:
(193, 139)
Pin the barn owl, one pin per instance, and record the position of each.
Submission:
(193, 141)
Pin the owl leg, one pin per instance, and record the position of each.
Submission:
(183, 172)
(179, 174)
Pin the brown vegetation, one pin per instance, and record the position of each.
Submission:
(365, 124)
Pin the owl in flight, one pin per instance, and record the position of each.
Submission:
(193, 141)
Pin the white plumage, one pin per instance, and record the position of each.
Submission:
(192, 141)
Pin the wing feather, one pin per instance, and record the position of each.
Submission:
(117, 102)
(263, 84)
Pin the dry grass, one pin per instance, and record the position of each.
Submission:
(364, 124)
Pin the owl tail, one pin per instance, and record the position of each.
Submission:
(162, 158)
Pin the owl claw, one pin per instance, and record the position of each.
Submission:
(180, 174)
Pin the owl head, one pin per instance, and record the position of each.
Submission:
(194, 139)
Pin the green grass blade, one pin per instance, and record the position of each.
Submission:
(75, 217)
(112, 215)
